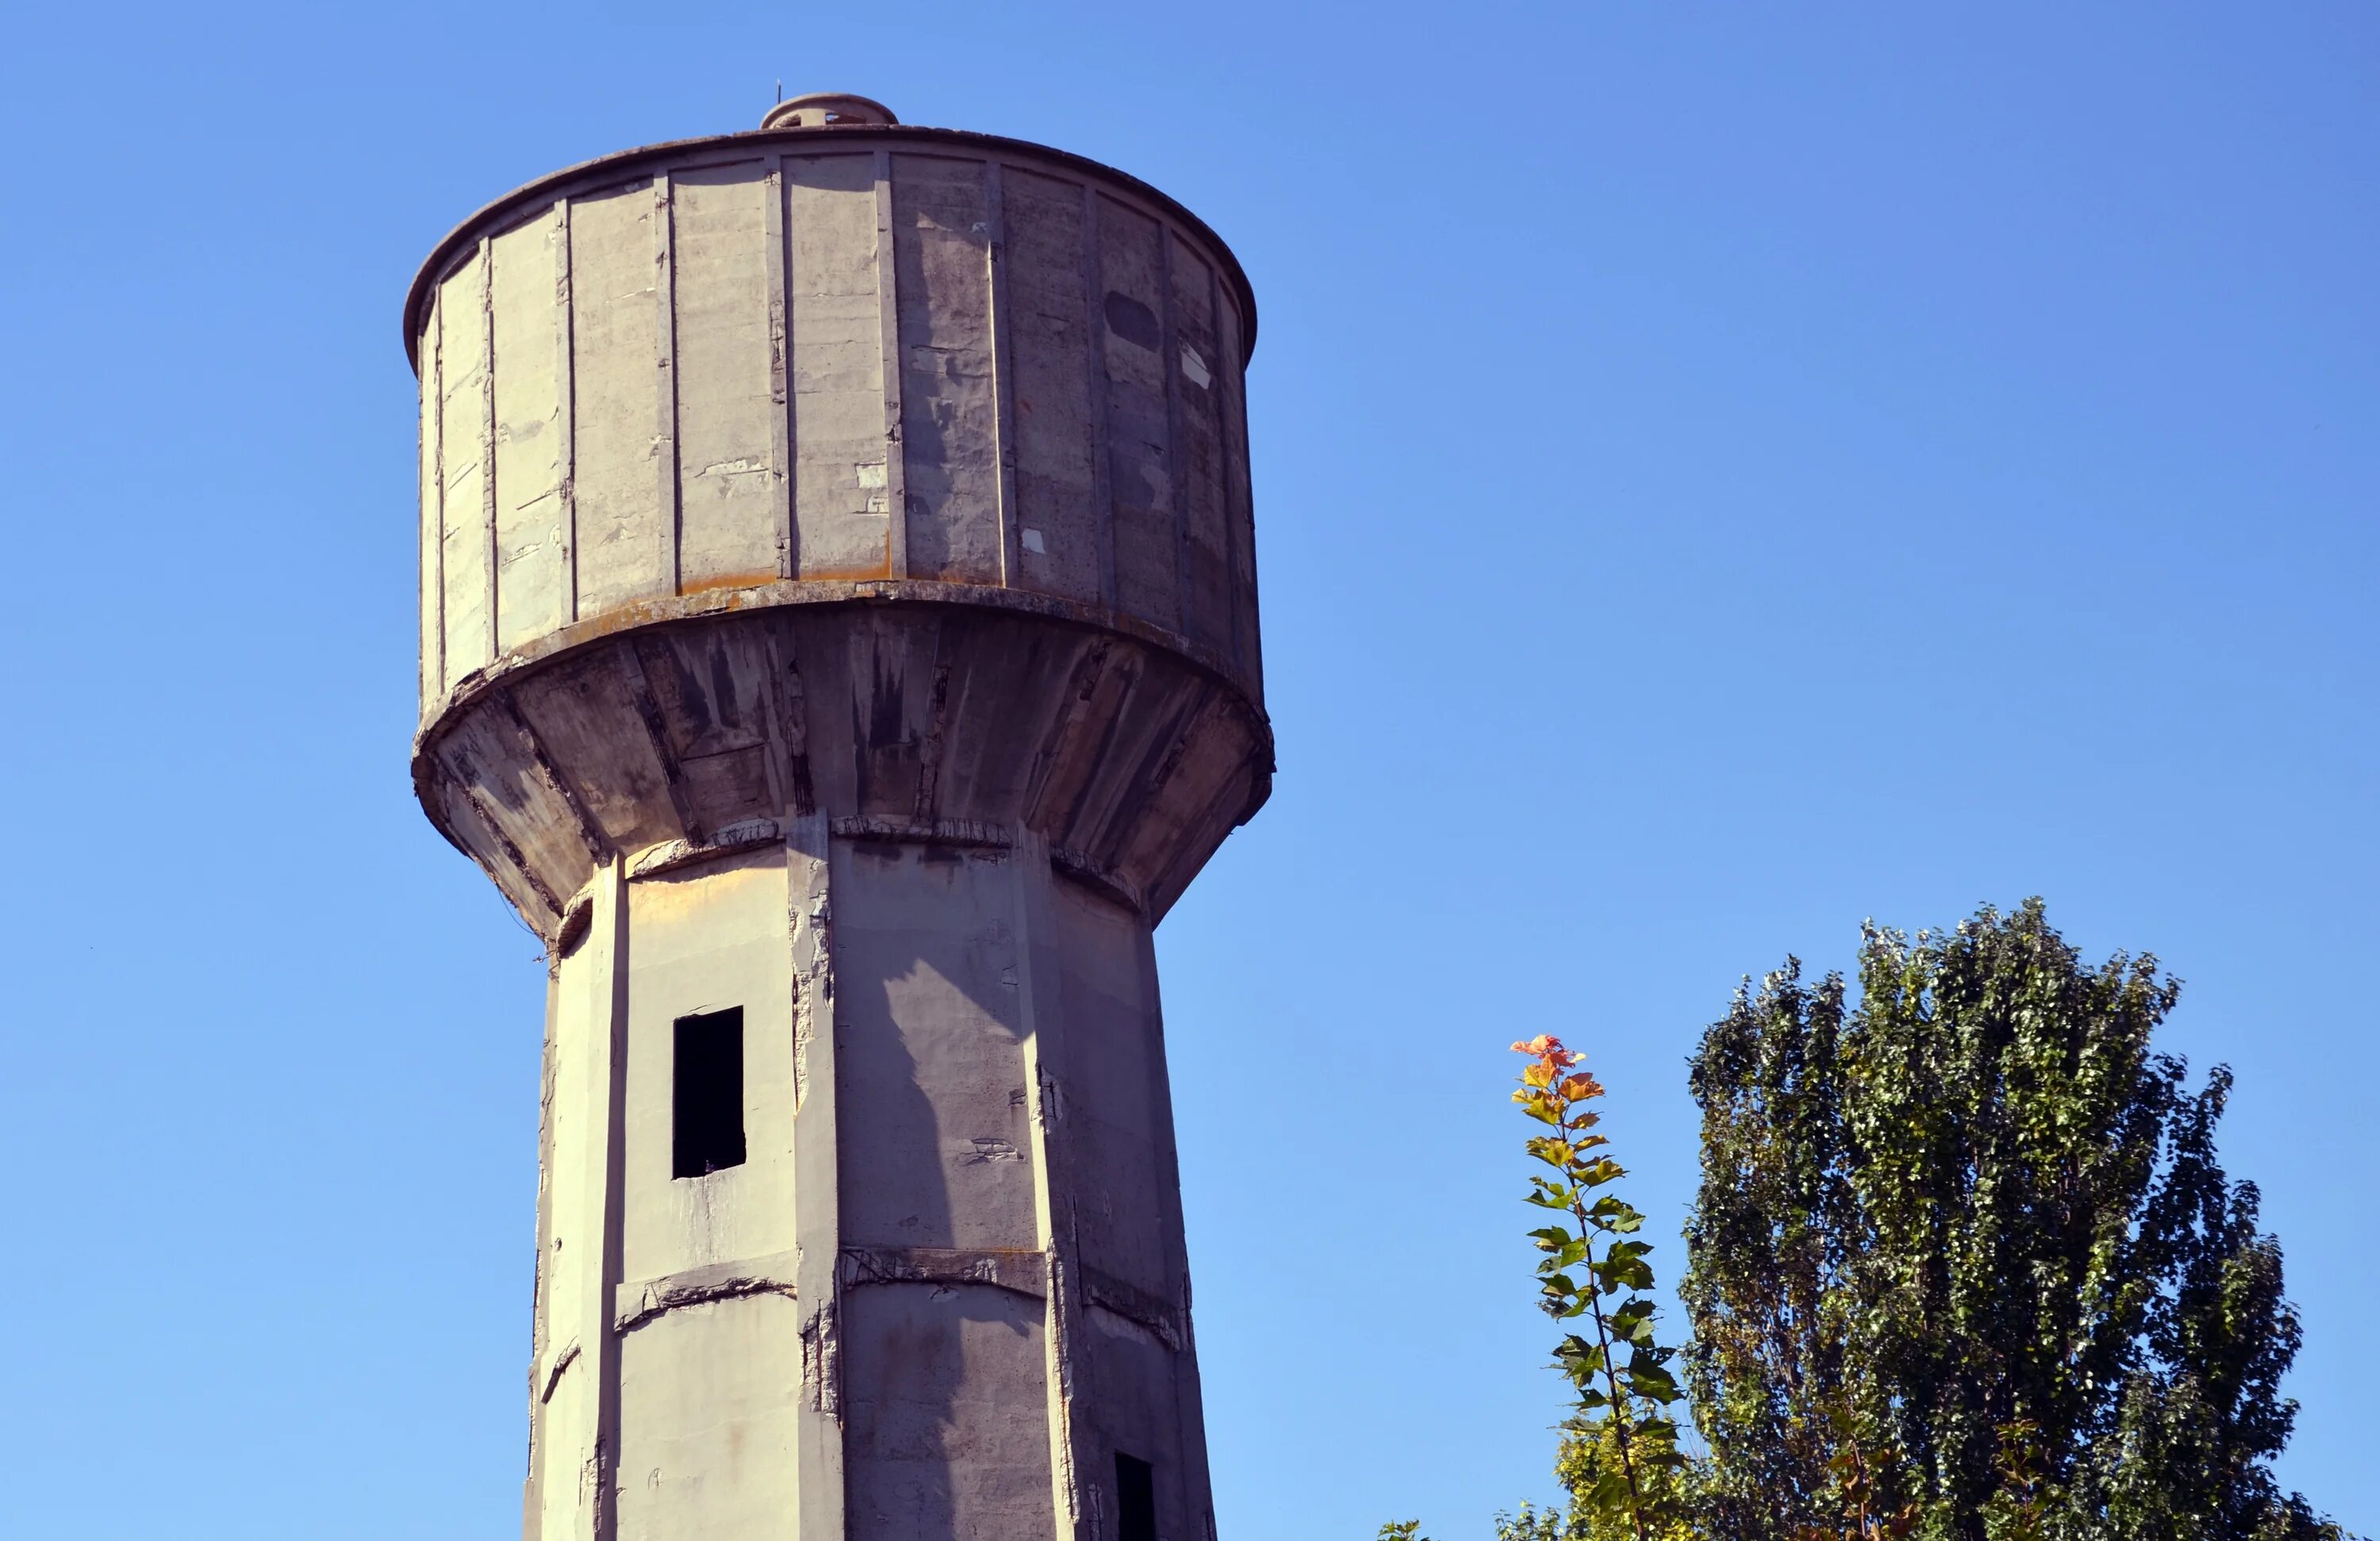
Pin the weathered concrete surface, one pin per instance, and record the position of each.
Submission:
(839, 605)
(831, 355)
(972, 1298)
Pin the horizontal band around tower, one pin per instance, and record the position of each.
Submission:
(936, 712)
(660, 610)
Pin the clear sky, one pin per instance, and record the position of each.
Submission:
(1723, 471)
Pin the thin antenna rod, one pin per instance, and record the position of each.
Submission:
(780, 90)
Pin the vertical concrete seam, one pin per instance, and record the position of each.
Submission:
(1229, 555)
(1095, 341)
(817, 1429)
(779, 265)
(1003, 373)
(1168, 359)
(887, 306)
(665, 349)
(613, 890)
(1249, 646)
(488, 432)
(540, 1293)
(565, 453)
(1044, 1052)
(1189, 1409)
(434, 372)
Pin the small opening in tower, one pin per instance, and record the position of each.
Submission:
(1135, 1499)
(707, 1112)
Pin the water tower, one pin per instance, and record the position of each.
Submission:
(839, 641)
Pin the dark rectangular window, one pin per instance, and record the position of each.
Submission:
(707, 1094)
(1135, 1500)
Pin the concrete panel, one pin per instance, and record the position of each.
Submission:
(432, 584)
(526, 272)
(1140, 473)
(727, 475)
(570, 1275)
(709, 1396)
(842, 493)
(712, 687)
(988, 679)
(568, 1476)
(1198, 457)
(620, 781)
(1127, 1223)
(703, 939)
(463, 446)
(571, 1369)
(513, 790)
(817, 1429)
(948, 415)
(1063, 535)
(1239, 511)
(929, 1070)
(1145, 737)
(939, 1445)
(620, 396)
(815, 653)
(891, 684)
(1130, 1404)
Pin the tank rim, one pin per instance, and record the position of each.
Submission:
(442, 255)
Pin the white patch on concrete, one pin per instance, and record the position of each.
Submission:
(1033, 542)
(1194, 368)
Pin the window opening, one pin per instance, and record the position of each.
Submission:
(1135, 1499)
(707, 1093)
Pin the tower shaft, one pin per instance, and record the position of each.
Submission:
(906, 1311)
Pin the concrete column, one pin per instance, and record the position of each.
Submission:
(706, 1315)
(943, 1290)
(573, 1374)
(1041, 1007)
(818, 1431)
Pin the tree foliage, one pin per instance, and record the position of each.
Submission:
(1620, 1460)
(1964, 1264)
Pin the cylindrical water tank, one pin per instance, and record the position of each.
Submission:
(800, 366)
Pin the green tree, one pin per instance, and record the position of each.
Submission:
(1964, 1264)
(1620, 1458)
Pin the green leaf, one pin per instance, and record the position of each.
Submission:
(1596, 1173)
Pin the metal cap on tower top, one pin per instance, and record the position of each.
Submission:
(827, 109)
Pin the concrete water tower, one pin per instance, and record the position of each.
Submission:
(839, 641)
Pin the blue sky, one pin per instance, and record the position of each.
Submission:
(1722, 472)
